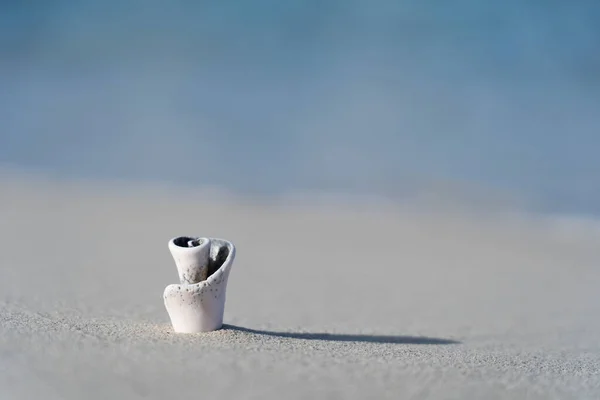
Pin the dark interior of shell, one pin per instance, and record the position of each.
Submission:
(186, 241)
(214, 263)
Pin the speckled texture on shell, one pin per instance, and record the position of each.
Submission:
(199, 307)
(191, 255)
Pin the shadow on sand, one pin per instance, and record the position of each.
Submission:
(335, 337)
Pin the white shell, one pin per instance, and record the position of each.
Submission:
(197, 304)
(191, 262)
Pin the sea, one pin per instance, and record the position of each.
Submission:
(376, 98)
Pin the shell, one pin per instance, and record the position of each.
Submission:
(197, 304)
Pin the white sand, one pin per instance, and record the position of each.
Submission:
(323, 302)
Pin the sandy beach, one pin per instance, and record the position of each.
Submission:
(324, 301)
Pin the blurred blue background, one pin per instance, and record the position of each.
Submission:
(375, 96)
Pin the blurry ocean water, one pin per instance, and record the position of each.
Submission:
(267, 97)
